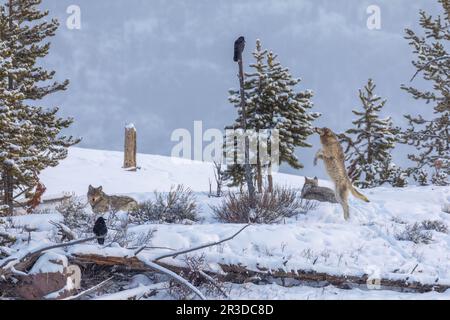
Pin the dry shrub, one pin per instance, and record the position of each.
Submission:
(435, 225)
(75, 214)
(269, 207)
(415, 233)
(177, 205)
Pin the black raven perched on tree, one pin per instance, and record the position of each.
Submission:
(239, 47)
(100, 230)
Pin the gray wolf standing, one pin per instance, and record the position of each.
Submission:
(101, 202)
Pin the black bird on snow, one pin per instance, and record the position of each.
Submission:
(239, 47)
(100, 230)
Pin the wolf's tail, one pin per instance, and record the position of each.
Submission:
(358, 194)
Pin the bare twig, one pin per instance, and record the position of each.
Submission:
(175, 254)
(90, 290)
(135, 293)
(142, 248)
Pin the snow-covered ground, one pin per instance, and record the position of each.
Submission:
(319, 241)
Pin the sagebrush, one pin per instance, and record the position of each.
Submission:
(178, 205)
(421, 232)
(269, 207)
(74, 213)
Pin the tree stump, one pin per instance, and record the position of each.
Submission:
(129, 162)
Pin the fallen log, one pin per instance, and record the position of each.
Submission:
(240, 274)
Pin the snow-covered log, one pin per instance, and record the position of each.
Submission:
(241, 274)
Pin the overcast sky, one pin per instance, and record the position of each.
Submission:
(164, 64)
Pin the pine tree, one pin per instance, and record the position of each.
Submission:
(421, 176)
(369, 144)
(30, 137)
(273, 104)
(398, 177)
(431, 137)
(288, 112)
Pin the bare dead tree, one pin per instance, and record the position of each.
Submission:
(239, 46)
(129, 162)
(219, 177)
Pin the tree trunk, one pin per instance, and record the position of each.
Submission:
(8, 189)
(8, 186)
(270, 179)
(259, 177)
(130, 148)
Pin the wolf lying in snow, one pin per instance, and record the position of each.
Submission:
(333, 157)
(101, 202)
(312, 191)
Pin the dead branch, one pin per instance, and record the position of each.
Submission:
(175, 254)
(27, 260)
(144, 247)
(90, 290)
(213, 282)
(135, 293)
(175, 277)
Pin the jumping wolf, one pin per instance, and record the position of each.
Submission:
(333, 157)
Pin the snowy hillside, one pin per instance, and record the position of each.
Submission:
(320, 241)
(96, 167)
